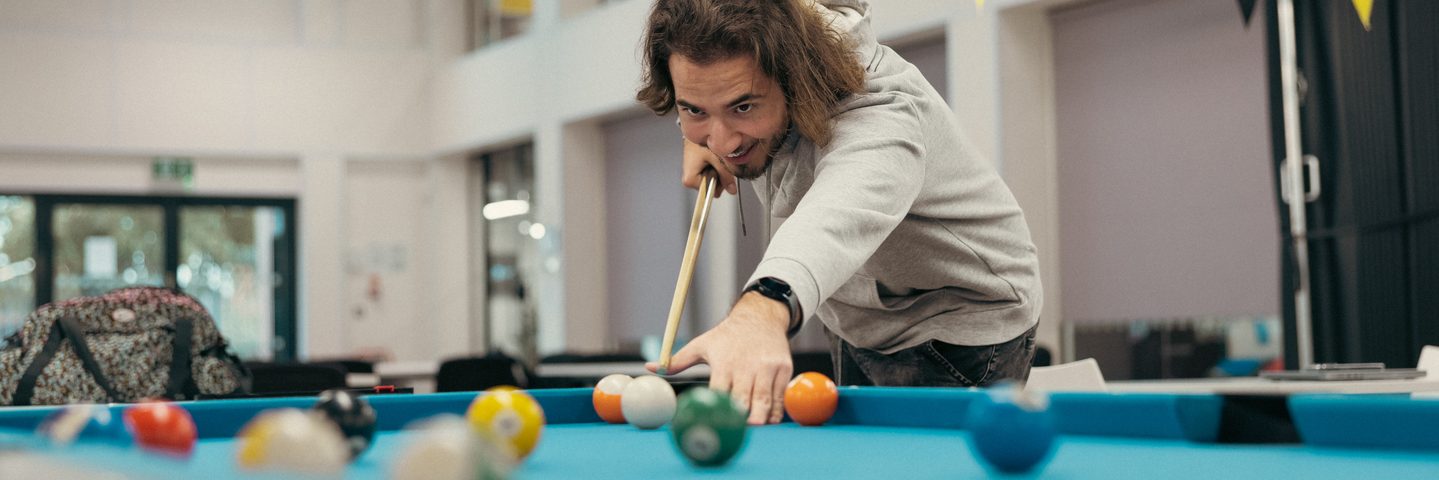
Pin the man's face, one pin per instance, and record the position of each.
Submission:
(733, 109)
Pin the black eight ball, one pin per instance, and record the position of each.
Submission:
(352, 414)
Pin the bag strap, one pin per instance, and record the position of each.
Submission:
(76, 333)
(26, 388)
(243, 376)
(63, 328)
(180, 358)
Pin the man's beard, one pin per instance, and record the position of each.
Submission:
(750, 171)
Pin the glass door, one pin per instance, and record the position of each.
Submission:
(512, 261)
(98, 248)
(236, 256)
(228, 261)
(17, 261)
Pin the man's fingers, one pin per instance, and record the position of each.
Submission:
(780, 382)
(682, 360)
(695, 159)
(763, 401)
(740, 391)
(720, 380)
(690, 174)
(727, 182)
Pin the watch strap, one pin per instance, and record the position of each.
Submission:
(780, 291)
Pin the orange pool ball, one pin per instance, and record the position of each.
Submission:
(810, 399)
(607, 397)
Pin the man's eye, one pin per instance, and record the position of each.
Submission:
(743, 108)
(692, 111)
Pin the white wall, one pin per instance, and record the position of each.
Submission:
(270, 97)
(39, 171)
(214, 76)
(384, 295)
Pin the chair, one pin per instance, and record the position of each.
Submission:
(1429, 362)
(1042, 357)
(306, 378)
(1077, 376)
(355, 366)
(480, 373)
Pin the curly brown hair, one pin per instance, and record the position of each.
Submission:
(792, 42)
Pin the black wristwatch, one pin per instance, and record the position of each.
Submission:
(779, 290)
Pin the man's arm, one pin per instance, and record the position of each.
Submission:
(864, 183)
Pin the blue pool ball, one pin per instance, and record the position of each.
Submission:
(1012, 430)
(85, 423)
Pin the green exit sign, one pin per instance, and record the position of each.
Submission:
(173, 171)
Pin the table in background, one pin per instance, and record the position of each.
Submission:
(1264, 386)
(420, 374)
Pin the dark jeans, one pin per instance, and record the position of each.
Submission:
(934, 364)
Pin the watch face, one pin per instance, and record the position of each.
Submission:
(775, 284)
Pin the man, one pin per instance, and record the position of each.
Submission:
(885, 224)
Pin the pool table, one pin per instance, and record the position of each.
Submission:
(876, 432)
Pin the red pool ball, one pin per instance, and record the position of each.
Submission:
(162, 426)
(810, 399)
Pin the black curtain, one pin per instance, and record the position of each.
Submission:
(1370, 115)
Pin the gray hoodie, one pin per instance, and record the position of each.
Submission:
(898, 232)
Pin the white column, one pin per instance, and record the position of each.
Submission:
(1027, 150)
(584, 249)
(321, 271)
(548, 208)
(973, 79)
(448, 256)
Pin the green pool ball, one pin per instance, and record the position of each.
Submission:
(708, 427)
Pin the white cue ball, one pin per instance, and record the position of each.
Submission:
(290, 439)
(648, 402)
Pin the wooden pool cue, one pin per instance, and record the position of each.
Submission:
(708, 182)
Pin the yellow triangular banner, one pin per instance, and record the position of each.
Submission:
(1365, 8)
(979, 4)
(516, 8)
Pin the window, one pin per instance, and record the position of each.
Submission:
(490, 21)
(98, 248)
(511, 252)
(237, 256)
(17, 261)
(228, 260)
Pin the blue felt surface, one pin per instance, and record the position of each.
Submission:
(844, 451)
(1367, 421)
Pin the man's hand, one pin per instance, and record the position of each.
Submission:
(696, 158)
(748, 354)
